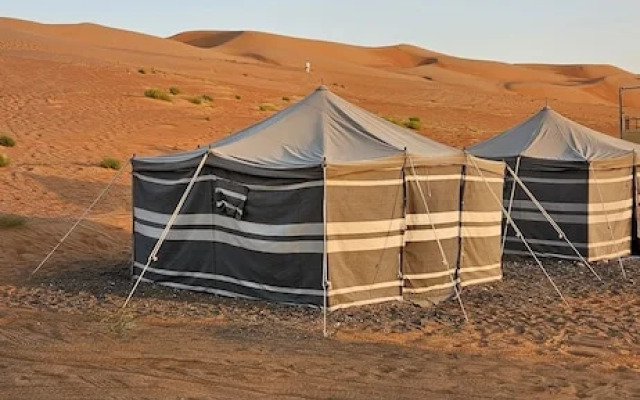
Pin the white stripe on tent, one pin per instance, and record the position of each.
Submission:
(361, 288)
(358, 183)
(480, 268)
(335, 245)
(573, 207)
(572, 219)
(433, 177)
(469, 282)
(218, 292)
(209, 235)
(557, 243)
(360, 227)
(560, 181)
(230, 193)
(430, 275)
(228, 279)
(471, 178)
(481, 231)
(305, 229)
(204, 178)
(570, 257)
(428, 234)
(443, 217)
(365, 302)
(481, 216)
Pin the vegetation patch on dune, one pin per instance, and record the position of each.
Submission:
(286, 98)
(206, 97)
(238, 97)
(7, 141)
(174, 90)
(267, 107)
(411, 123)
(4, 160)
(157, 94)
(11, 220)
(110, 163)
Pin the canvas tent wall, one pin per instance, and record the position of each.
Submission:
(316, 203)
(583, 179)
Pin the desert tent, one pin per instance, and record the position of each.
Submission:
(582, 178)
(324, 204)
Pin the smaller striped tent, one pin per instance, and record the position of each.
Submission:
(583, 179)
(323, 204)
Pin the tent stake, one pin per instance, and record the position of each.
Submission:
(519, 233)
(81, 218)
(445, 262)
(551, 221)
(154, 253)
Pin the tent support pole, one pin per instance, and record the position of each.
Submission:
(519, 233)
(325, 253)
(81, 218)
(513, 192)
(606, 216)
(445, 262)
(153, 256)
(553, 223)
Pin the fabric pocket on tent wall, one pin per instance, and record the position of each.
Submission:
(229, 198)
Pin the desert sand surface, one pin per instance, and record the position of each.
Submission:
(73, 94)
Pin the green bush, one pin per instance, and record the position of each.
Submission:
(286, 98)
(11, 220)
(415, 125)
(157, 94)
(4, 160)
(206, 97)
(7, 141)
(174, 91)
(414, 119)
(195, 100)
(267, 107)
(393, 120)
(110, 163)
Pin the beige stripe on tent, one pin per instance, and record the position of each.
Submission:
(481, 231)
(444, 217)
(360, 183)
(472, 178)
(477, 281)
(340, 245)
(482, 216)
(365, 302)
(480, 268)
(428, 234)
(430, 275)
(209, 235)
(363, 227)
(361, 288)
(228, 279)
(433, 177)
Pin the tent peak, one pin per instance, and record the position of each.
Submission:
(321, 88)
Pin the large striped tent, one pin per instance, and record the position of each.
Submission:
(583, 179)
(324, 204)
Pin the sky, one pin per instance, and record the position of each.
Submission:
(543, 31)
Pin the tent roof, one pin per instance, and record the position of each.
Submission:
(549, 135)
(320, 126)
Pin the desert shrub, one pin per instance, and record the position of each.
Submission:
(157, 94)
(7, 141)
(142, 71)
(393, 120)
(11, 220)
(286, 98)
(267, 107)
(174, 90)
(238, 97)
(206, 97)
(110, 163)
(414, 119)
(4, 160)
(415, 125)
(195, 100)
